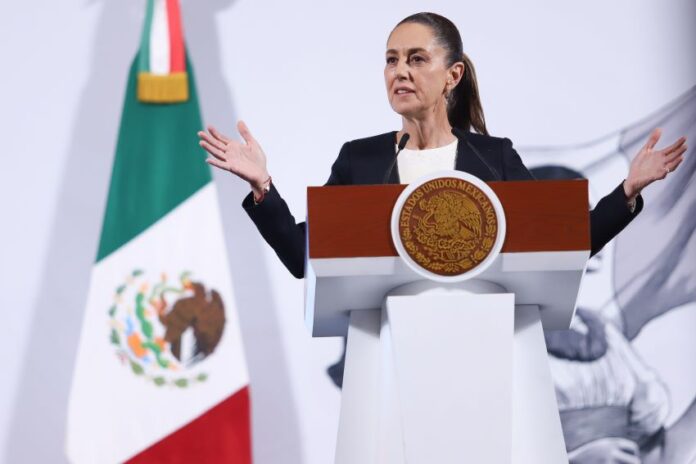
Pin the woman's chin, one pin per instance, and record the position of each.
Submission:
(406, 110)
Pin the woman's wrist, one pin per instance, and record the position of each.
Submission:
(258, 182)
(631, 193)
(260, 188)
(630, 190)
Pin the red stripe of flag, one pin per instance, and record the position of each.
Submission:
(176, 38)
(221, 435)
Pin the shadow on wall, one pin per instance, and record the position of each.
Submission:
(275, 426)
(40, 407)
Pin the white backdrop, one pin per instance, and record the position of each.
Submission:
(306, 76)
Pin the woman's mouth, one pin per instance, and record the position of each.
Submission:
(402, 92)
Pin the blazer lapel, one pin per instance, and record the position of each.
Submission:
(469, 161)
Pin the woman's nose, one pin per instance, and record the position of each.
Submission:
(401, 70)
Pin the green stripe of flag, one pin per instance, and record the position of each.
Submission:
(158, 164)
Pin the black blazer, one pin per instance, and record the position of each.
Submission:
(366, 161)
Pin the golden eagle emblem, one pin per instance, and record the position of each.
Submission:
(448, 226)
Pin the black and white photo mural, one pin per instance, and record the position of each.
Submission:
(624, 372)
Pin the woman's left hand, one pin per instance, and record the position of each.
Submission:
(650, 164)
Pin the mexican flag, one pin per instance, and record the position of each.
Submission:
(160, 374)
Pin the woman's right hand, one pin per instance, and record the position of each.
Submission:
(246, 160)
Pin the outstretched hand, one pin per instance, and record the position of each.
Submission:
(650, 164)
(246, 160)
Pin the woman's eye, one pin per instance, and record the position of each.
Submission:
(391, 60)
(417, 59)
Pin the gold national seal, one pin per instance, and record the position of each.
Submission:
(448, 226)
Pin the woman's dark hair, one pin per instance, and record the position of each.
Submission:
(464, 109)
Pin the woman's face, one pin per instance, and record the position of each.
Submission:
(416, 72)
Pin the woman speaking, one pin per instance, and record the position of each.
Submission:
(431, 83)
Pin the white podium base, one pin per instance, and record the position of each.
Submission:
(448, 376)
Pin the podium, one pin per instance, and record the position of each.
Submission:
(446, 372)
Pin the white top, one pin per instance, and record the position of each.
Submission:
(413, 164)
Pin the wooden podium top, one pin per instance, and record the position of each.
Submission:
(354, 221)
(352, 262)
